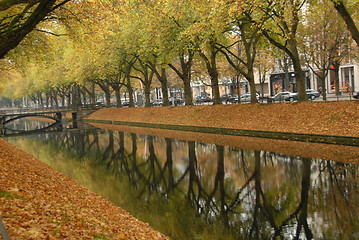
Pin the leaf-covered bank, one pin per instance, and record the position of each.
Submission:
(328, 118)
(37, 202)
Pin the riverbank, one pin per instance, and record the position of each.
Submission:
(325, 118)
(332, 118)
(37, 202)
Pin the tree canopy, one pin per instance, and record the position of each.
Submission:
(124, 45)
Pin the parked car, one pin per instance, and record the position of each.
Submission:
(226, 97)
(202, 99)
(247, 97)
(157, 102)
(356, 95)
(281, 97)
(125, 103)
(175, 101)
(233, 99)
(311, 94)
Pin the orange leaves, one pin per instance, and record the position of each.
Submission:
(36, 202)
(333, 118)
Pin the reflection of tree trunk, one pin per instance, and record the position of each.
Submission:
(258, 189)
(191, 167)
(134, 148)
(169, 163)
(121, 152)
(302, 221)
(79, 143)
(152, 158)
(220, 180)
(122, 143)
(110, 149)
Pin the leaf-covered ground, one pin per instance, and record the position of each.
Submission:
(37, 202)
(332, 118)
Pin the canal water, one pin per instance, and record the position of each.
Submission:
(198, 190)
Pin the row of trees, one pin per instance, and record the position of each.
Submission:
(117, 45)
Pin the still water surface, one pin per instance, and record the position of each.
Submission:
(196, 190)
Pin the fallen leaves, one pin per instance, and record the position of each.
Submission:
(36, 202)
(331, 118)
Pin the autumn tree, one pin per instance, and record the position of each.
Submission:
(323, 42)
(206, 30)
(279, 21)
(19, 18)
(265, 61)
(347, 17)
(244, 38)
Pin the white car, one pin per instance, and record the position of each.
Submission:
(280, 97)
(247, 97)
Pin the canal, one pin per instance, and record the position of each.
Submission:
(196, 190)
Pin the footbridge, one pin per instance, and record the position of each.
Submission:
(54, 115)
(76, 113)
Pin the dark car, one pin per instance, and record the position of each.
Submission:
(202, 99)
(356, 95)
(125, 103)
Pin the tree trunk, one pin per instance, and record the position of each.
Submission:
(185, 75)
(164, 87)
(187, 91)
(84, 98)
(252, 86)
(108, 98)
(324, 88)
(63, 96)
(118, 97)
(299, 78)
(130, 92)
(215, 87)
(212, 70)
(69, 96)
(147, 90)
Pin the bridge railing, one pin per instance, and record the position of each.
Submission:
(4, 111)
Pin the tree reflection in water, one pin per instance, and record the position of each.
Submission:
(191, 190)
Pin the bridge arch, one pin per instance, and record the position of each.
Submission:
(30, 115)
